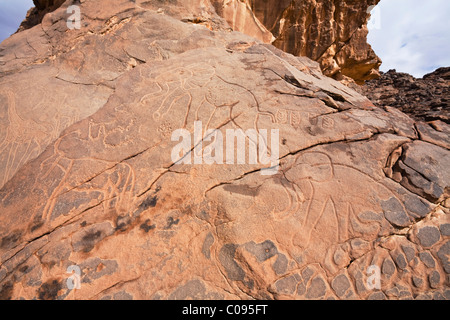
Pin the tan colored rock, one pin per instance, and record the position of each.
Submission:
(102, 210)
(37, 13)
(332, 32)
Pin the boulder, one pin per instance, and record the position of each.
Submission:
(156, 154)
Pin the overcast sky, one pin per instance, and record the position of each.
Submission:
(410, 36)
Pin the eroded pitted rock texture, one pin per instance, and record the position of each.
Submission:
(332, 32)
(426, 99)
(357, 188)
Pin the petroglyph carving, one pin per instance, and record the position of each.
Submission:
(20, 141)
(105, 194)
(291, 117)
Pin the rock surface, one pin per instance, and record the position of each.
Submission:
(37, 13)
(93, 205)
(332, 32)
(426, 99)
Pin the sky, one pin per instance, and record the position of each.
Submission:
(12, 13)
(411, 36)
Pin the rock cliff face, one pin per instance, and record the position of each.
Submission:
(427, 99)
(95, 202)
(37, 13)
(332, 32)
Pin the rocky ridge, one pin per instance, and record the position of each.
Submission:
(89, 182)
(427, 99)
(331, 32)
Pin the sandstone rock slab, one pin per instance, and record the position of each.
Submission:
(104, 211)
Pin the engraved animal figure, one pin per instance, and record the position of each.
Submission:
(176, 85)
(335, 197)
(197, 93)
(19, 140)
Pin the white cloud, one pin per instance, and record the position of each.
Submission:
(413, 35)
(12, 13)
